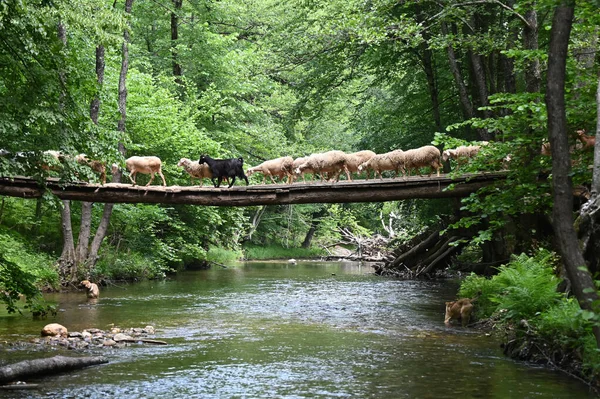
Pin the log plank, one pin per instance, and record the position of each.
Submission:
(299, 193)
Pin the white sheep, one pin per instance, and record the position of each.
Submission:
(355, 159)
(461, 154)
(330, 162)
(297, 162)
(146, 165)
(195, 169)
(275, 167)
(393, 160)
(422, 157)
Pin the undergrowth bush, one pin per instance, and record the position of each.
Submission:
(128, 266)
(526, 289)
(522, 288)
(223, 255)
(24, 271)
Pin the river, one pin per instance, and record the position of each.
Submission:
(277, 330)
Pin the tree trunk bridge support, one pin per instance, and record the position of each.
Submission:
(261, 194)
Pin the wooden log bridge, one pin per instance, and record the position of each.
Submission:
(261, 194)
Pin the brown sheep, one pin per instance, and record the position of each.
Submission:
(422, 157)
(275, 167)
(393, 160)
(146, 165)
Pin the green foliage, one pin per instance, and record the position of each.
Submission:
(24, 272)
(563, 323)
(222, 255)
(130, 266)
(521, 289)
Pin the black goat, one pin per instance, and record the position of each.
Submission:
(221, 168)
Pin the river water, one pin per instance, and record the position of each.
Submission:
(276, 330)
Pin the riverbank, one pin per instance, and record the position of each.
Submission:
(539, 324)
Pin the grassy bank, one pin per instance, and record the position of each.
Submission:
(24, 272)
(254, 252)
(539, 323)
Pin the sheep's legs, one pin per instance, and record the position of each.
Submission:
(132, 177)
(162, 177)
(230, 184)
(151, 178)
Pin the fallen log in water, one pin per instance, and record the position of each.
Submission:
(47, 366)
(144, 340)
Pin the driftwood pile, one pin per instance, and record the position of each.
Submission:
(426, 255)
(370, 249)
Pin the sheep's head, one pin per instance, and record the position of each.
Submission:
(115, 168)
(183, 161)
(203, 158)
(446, 155)
(250, 172)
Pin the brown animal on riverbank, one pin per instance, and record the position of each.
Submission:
(459, 310)
(92, 289)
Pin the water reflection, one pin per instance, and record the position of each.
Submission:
(279, 330)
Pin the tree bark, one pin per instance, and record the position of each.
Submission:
(572, 257)
(85, 228)
(67, 269)
(53, 365)
(95, 105)
(174, 36)
(429, 68)
(314, 223)
(533, 77)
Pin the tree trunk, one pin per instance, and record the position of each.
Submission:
(174, 36)
(533, 78)
(463, 95)
(85, 229)
(38, 216)
(108, 207)
(67, 266)
(100, 234)
(82, 252)
(67, 269)
(574, 263)
(429, 68)
(95, 105)
(40, 367)
(316, 219)
(256, 220)
(479, 81)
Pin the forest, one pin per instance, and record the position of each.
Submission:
(262, 79)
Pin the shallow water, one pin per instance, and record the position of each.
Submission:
(275, 330)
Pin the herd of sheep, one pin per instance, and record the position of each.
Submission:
(327, 165)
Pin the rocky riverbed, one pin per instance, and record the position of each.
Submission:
(97, 338)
